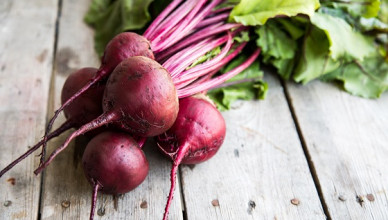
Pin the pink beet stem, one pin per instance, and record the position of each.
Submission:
(181, 65)
(191, 90)
(141, 141)
(184, 54)
(212, 20)
(160, 17)
(178, 159)
(98, 122)
(99, 75)
(200, 35)
(191, 75)
(187, 24)
(64, 127)
(170, 23)
(206, 65)
(96, 187)
(220, 10)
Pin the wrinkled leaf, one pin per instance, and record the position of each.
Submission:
(315, 60)
(247, 85)
(257, 12)
(343, 40)
(278, 48)
(365, 8)
(368, 79)
(371, 24)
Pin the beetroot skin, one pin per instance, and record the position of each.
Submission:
(195, 137)
(150, 105)
(200, 126)
(88, 105)
(123, 46)
(115, 162)
(139, 98)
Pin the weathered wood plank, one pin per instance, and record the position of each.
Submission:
(347, 138)
(67, 194)
(26, 47)
(259, 169)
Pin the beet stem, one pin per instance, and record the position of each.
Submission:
(220, 10)
(212, 20)
(170, 23)
(178, 159)
(193, 74)
(181, 65)
(96, 187)
(206, 65)
(187, 24)
(160, 18)
(100, 73)
(200, 35)
(98, 122)
(188, 91)
(64, 127)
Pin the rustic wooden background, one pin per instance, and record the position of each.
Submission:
(306, 152)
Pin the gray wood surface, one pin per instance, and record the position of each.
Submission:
(259, 169)
(26, 52)
(261, 172)
(67, 194)
(347, 138)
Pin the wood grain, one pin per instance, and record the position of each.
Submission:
(67, 194)
(26, 52)
(347, 138)
(259, 169)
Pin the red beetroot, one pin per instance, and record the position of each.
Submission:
(121, 47)
(195, 137)
(88, 106)
(83, 110)
(114, 164)
(139, 97)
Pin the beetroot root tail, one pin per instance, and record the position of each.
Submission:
(64, 127)
(98, 122)
(178, 159)
(96, 187)
(172, 188)
(95, 79)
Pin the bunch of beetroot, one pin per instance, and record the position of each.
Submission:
(145, 87)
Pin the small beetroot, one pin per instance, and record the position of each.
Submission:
(114, 164)
(195, 137)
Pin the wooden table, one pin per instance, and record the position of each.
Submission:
(306, 152)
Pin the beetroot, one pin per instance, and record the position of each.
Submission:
(139, 97)
(83, 110)
(195, 137)
(88, 106)
(121, 47)
(114, 164)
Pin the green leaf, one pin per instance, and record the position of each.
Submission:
(365, 8)
(371, 24)
(278, 48)
(293, 27)
(383, 13)
(247, 85)
(344, 41)
(315, 60)
(257, 12)
(110, 18)
(368, 79)
(223, 98)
